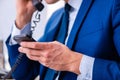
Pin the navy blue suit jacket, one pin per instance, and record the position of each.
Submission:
(96, 33)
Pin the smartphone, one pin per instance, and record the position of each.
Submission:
(20, 38)
(38, 5)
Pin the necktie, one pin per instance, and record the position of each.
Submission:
(52, 74)
(64, 25)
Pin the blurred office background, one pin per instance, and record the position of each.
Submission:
(7, 17)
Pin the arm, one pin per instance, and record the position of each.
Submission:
(23, 17)
(24, 12)
(106, 69)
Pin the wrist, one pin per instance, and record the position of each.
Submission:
(22, 20)
(76, 64)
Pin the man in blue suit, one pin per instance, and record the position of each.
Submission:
(91, 50)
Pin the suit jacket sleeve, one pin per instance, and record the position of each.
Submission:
(106, 69)
(26, 70)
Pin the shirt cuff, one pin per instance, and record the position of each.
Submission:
(15, 31)
(86, 68)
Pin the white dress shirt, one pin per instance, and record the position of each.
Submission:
(86, 65)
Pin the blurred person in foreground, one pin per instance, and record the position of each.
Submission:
(90, 51)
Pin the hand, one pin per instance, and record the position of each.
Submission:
(53, 55)
(24, 11)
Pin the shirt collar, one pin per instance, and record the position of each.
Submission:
(75, 4)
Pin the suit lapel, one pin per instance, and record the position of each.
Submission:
(53, 26)
(85, 6)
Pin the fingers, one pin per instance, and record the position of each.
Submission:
(32, 54)
(49, 49)
(35, 45)
(41, 59)
(29, 51)
(36, 55)
(38, 51)
(35, 52)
